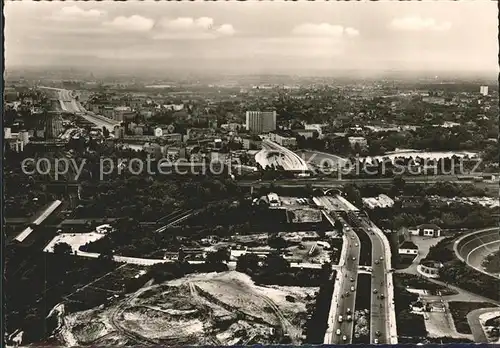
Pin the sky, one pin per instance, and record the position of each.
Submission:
(254, 36)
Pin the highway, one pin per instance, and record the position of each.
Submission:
(382, 317)
(379, 317)
(71, 105)
(289, 159)
(348, 281)
(344, 295)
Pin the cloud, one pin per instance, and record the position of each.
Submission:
(415, 23)
(74, 12)
(318, 30)
(188, 28)
(133, 23)
(351, 32)
(324, 30)
(226, 29)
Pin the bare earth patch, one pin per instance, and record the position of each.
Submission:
(213, 309)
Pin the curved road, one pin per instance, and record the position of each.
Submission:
(292, 161)
(474, 321)
(475, 257)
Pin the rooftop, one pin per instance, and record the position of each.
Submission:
(408, 245)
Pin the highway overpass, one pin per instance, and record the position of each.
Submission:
(273, 154)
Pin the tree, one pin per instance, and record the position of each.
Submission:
(62, 248)
(217, 257)
(276, 263)
(276, 242)
(353, 195)
(248, 262)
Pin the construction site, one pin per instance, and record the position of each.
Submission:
(212, 308)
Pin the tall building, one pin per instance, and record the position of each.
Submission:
(53, 125)
(260, 121)
(483, 90)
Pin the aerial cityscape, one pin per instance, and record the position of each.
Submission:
(242, 173)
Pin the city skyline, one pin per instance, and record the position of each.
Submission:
(253, 37)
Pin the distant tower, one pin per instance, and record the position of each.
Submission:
(483, 90)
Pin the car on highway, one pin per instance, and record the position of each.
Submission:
(356, 244)
(382, 296)
(352, 279)
(377, 262)
(381, 258)
(352, 288)
(338, 332)
(344, 338)
(375, 341)
(348, 311)
(340, 319)
(378, 333)
(352, 237)
(349, 318)
(375, 291)
(354, 258)
(347, 294)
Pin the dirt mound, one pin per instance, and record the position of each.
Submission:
(88, 332)
(208, 309)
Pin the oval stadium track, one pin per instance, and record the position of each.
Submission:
(474, 247)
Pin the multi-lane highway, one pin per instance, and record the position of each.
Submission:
(379, 306)
(71, 105)
(341, 316)
(345, 304)
(382, 318)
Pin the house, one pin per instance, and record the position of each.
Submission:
(274, 200)
(361, 141)
(307, 133)
(427, 230)
(408, 248)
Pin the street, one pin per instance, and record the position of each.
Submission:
(344, 295)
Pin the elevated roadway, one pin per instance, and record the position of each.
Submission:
(382, 314)
(71, 105)
(344, 293)
(275, 154)
(474, 247)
